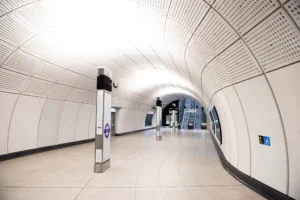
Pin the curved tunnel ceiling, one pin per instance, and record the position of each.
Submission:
(172, 48)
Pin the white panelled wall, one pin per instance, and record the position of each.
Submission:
(29, 122)
(128, 120)
(268, 107)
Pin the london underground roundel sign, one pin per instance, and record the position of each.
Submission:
(106, 130)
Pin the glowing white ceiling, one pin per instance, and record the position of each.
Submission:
(171, 48)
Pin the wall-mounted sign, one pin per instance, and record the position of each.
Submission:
(265, 140)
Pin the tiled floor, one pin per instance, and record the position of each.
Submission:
(184, 165)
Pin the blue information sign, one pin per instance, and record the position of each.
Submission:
(267, 141)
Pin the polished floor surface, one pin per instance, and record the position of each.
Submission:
(184, 165)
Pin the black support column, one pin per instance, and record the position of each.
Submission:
(158, 118)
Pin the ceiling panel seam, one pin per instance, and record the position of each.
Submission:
(58, 78)
(261, 21)
(215, 57)
(165, 35)
(49, 62)
(137, 93)
(150, 61)
(20, 7)
(172, 57)
(290, 64)
(166, 68)
(133, 60)
(288, 13)
(18, 47)
(56, 82)
(193, 33)
(122, 77)
(117, 63)
(167, 15)
(210, 6)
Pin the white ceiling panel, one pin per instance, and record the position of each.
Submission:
(80, 66)
(150, 18)
(87, 84)
(153, 47)
(37, 87)
(163, 55)
(62, 59)
(210, 1)
(188, 13)
(15, 29)
(199, 52)
(49, 72)
(243, 15)
(176, 30)
(239, 63)
(36, 47)
(102, 61)
(148, 52)
(37, 14)
(5, 50)
(3, 9)
(69, 78)
(78, 95)
(274, 44)
(216, 33)
(136, 56)
(161, 6)
(214, 76)
(123, 60)
(34, 13)
(293, 7)
(10, 5)
(11, 81)
(60, 92)
(23, 63)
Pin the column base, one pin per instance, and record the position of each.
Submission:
(101, 167)
(158, 138)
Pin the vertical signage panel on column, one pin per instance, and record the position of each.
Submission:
(100, 97)
(103, 121)
(99, 124)
(107, 126)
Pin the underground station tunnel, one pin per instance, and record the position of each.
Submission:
(149, 99)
